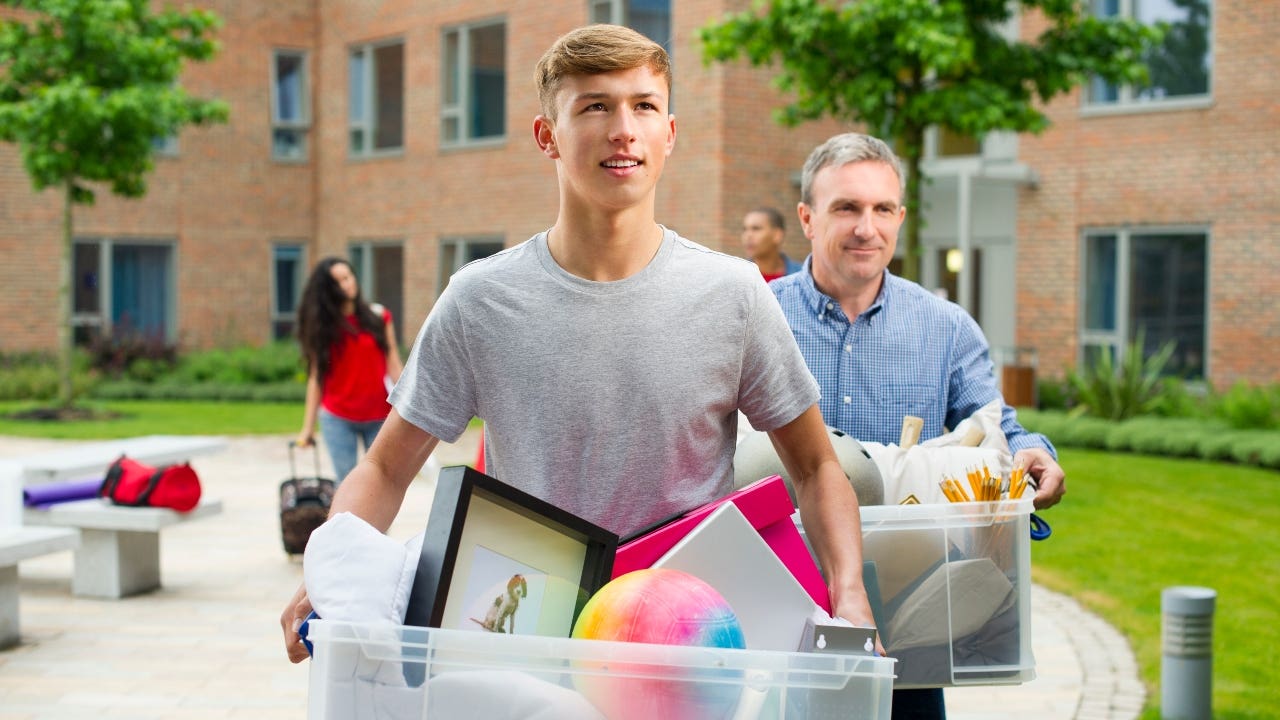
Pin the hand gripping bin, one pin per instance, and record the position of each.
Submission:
(950, 586)
(360, 671)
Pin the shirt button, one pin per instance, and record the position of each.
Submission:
(848, 400)
(848, 348)
(830, 306)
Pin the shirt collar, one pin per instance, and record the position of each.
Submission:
(818, 301)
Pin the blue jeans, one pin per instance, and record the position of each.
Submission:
(922, 704)
(340, 436)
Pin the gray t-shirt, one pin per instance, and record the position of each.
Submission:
(616, 401)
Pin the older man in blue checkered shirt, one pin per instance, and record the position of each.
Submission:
(882, 347)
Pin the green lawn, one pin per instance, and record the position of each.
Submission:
(147, 417)
(1132, 525)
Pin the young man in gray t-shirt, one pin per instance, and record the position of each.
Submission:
(608, 356)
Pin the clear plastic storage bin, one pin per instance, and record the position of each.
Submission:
(950, 585)
(393, 672)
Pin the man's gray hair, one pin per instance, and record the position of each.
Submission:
(842, 150)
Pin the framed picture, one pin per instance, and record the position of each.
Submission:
(497, 559)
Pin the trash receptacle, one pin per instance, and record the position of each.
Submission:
(1016, 368)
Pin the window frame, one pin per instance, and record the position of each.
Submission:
(102, 319)
(1126, 103)
(303, 124)
(460, 243)
(369, 123)
(300, 277)
(459, 111)
(1118, 339)
(619, 12)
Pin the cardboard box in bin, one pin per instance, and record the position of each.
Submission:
(359, 671)
(950, 586)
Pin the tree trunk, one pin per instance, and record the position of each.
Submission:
(65, 346)
(913, 147)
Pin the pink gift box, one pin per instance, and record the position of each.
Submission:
(766, 505)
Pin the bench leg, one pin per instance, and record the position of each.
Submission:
(8, 606)
(116, 564)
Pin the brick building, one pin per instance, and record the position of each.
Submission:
(398, 133)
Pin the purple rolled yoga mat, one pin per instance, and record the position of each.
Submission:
(46, 494)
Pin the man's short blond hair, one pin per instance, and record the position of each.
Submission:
(593, 50)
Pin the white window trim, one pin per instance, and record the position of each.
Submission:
(369, 100)
(1125, 104)
(459, 110)
(303, 124)
(1118, 339)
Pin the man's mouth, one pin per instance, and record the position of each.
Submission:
(620, 163)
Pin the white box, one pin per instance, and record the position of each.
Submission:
(951, 588)
(377, 671)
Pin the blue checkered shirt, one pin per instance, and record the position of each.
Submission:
(910, 353)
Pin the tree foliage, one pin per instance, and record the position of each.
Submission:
(902, 66)
(86, 89)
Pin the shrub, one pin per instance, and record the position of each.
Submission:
(34, 376)
(1117, 392)
(1053, 394)
(1178, 399)
(119, 354)
(1246, 407)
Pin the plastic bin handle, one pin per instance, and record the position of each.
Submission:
(1040, 529)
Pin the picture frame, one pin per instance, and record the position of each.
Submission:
(497, 559)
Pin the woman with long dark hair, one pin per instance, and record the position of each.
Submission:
(350, 350)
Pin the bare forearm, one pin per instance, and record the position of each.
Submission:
(829, 511)
(375, 489)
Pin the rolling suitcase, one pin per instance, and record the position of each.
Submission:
(304, 504)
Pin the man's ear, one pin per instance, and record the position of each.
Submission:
(544, 134)
(802, 211)
(671, 134)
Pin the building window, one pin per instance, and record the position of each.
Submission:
(651, 18)
(288, 268)
(165, 146)
(475, 83)
(378, 265)
(123, 288)
(290, 101)
(456, 252)
(1180, 67)
(1148, 282)
(376, 98)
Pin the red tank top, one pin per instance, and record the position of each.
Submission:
(354, 389)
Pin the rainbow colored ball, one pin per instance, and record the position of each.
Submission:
(665, 607)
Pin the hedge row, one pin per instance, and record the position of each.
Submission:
(264, 392)
(1176, 437)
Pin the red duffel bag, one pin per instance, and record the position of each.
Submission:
(131, 483)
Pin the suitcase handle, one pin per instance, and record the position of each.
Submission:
(293, 468)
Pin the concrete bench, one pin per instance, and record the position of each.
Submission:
(18, 544)
(78, 461)
(119, 552)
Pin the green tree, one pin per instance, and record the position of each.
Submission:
(86, 88)
(902, 66)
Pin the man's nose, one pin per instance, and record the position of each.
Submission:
(623, 126)
(864, 227)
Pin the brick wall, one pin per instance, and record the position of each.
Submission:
(1208, 167)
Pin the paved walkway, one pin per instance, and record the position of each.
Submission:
(207, 645)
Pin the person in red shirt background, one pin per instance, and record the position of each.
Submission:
(762, 234)
(349, 347)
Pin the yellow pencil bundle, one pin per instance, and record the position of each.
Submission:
(983, 486)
